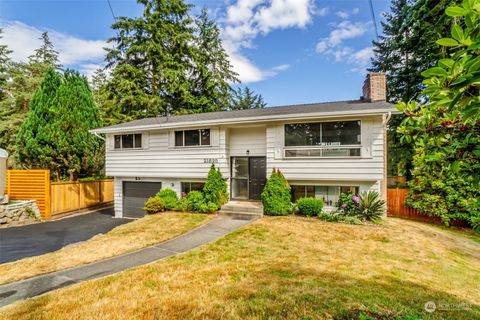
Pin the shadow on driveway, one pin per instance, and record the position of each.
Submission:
(36, 239)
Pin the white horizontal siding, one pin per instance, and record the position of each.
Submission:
(160, 158)
(251, 139)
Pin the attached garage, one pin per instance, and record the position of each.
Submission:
(135, 193)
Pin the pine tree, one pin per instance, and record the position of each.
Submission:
(46, 54)
(213, 71)
(24, 81)
(246, 99)
(151, 61)
(5, 64)
(55, 133)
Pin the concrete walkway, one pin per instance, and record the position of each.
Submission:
(216, 228)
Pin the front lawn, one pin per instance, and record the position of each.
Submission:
(288, 268)
(132, 236)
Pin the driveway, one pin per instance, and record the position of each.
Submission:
(36, 239)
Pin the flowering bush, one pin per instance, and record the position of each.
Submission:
(346, 203)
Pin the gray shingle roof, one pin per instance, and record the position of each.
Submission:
(354, 106)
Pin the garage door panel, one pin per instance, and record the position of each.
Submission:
(134, 196)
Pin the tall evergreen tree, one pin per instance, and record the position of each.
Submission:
(406, 47)
(5, 64)
(166, 62)
(213, 71)
(246, 99)
(55, 133)
(46, 53)
(24, 81)
(152, 59)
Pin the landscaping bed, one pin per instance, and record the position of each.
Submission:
(289, 268)
(150, 230)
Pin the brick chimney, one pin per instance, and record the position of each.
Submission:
(375, 87)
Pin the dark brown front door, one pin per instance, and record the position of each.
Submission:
(257, 176)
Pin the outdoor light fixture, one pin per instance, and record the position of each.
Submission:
(248, 152)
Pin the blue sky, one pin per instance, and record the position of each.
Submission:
(290, 51)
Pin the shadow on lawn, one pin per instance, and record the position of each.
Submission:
(309, 294)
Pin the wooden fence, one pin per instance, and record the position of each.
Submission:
(57, 198)
(75, 195)
(30, 185)
(396, 208)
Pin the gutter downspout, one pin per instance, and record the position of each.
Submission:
(385, 154)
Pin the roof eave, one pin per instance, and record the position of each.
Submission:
(244, 120)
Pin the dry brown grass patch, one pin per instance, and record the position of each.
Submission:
(132, 236)
(286, 268)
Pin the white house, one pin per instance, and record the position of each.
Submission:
(323, 149)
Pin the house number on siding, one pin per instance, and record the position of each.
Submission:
(210, 160)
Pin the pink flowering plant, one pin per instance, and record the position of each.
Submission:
(347, 203)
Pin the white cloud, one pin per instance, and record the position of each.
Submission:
(23, 39)
(343, 31)
(345, 14)
(334, 45)
(246, 19)
(361, 59)
(321, 12)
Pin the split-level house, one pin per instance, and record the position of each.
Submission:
(323, 149)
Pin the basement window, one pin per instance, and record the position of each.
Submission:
(128, 141)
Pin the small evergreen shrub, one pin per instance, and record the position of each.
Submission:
(154, 204)
(276, 198)
(167, 192)
(197, 203)
(370, 206)
(310, 206)
(328, 217)
(182, 204)
(170, 198)
(215, 188)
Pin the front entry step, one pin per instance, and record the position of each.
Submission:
(242, 209)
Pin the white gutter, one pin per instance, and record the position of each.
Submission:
(97, 135)
(244, 120)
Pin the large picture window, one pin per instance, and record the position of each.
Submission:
(323, 139)
(190, 138)
(128, 141)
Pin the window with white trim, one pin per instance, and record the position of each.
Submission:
(323, 139)
(329, 194)
(192, 138)
(128, 141)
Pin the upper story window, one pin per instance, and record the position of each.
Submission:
(190, 138)
(323, 139)
(128, 141)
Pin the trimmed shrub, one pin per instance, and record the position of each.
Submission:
(310, 206)
(328, 217)
(215, 188)
(170, 198)
(370, 206)
(154, 205)
(197, 203)
(276, 198)
(182, 204)
(167, 192)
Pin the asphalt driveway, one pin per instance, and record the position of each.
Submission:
(36, 239)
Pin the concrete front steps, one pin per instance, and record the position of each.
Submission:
(242, 209)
